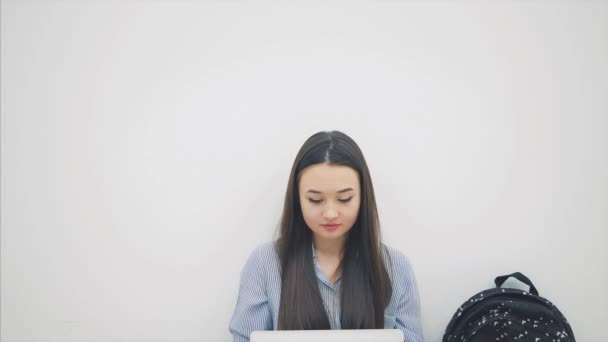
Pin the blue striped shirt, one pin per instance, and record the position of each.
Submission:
(259, 296)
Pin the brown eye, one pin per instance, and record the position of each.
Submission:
(314, 201)
(346, 200)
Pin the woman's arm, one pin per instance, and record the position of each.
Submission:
(252, 312)
(408, 308)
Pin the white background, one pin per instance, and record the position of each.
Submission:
(146, 145)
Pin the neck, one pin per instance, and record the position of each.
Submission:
(331, 248)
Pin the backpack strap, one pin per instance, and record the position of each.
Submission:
(500, 280)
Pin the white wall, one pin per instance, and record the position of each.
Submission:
(146, 145)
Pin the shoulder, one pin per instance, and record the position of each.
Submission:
(397, 263)
(394, 255)
(266, 250)
(263, 254)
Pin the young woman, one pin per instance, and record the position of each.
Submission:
(328, 269)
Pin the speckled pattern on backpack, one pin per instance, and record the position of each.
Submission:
(504, 314)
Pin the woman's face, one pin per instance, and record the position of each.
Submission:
(329, 194)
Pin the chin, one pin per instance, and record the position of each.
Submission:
(335, 234)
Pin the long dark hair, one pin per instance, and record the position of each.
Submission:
(366, 287)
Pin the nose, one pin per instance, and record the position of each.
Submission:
(330, 212)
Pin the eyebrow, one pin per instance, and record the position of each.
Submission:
(339, 191)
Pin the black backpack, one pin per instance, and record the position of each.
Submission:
(508, 315)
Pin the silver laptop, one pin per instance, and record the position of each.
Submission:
(363, 335)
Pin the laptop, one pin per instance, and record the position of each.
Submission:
(362, 335)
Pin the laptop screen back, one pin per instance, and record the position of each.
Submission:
(363, 335)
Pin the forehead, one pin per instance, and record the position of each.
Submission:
(328, 178)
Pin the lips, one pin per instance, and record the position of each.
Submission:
(331, 226)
